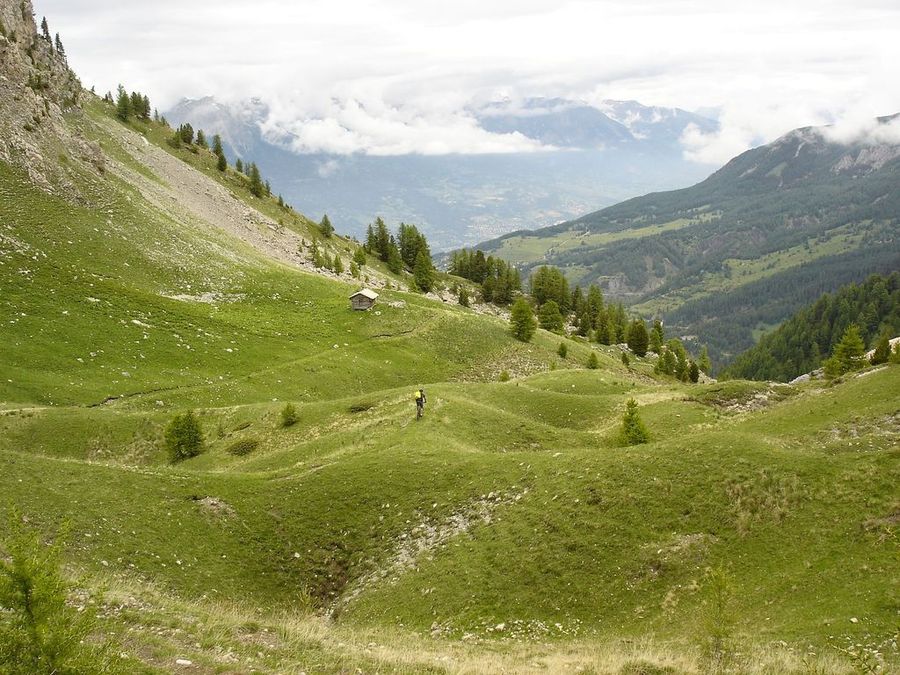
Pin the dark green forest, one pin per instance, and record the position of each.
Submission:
(800, 344)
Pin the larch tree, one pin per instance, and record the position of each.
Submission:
(326, 227)
(633, 430)
(638, 339)
(521, 320)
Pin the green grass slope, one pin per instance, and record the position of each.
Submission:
(508, 527)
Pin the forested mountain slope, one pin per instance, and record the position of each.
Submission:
(801, 343)
(768, 233)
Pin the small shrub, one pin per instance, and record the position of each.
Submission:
(717, 619)
(184, 438)
(39, 631)
(593, 362)
(463, 296)
(243, 447)
(562, 350)
(504, 376)
(633, 430)
(625, 360)
(289, 416)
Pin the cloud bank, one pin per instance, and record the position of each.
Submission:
(398, 76)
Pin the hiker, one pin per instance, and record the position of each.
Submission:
(420, 402)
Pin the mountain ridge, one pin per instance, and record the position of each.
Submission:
(776, 212)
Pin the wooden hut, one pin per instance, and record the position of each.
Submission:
(363, 300)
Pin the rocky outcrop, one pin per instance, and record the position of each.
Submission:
(36, 89)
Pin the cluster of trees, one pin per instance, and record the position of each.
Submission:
(594, 319)
(849, 353)
(801, 343)
(590, 315)
(498, 279)
(135, 104)
(55, 43)
(408, 250)
(258, 187)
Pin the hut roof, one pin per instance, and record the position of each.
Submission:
(366, 293)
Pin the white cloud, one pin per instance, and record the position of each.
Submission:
(859, 129)
(394, 76)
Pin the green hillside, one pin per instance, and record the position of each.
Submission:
(802, 342)
(509, 530)
(743, 250)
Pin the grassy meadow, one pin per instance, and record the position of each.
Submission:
(509, 530)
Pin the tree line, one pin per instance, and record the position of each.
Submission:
(498, 279)
(136, 106)
(408, 250)
(552, 306)
(801, 343)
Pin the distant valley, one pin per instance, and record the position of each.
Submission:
(599, 157)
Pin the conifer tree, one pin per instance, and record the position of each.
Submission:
(882, 350)
(186, 132)
(848, 353)
(222, 163)
(550, 316)
(423, 272)
(256, 186)
(217, 145)
(895, 354)
(463, 296)
(201, 139)
(693, 372)
(359, 257)
(317, 259)
(338, 265)
(394, 261)
(521, 319)
(239, 165)
(625, 360)
(593, 362)
(354, 269)
(45, 29)
(596, 306)
(123, 105)
(184, 438)
(326, 227)
(638, 340)
(584, 321)
(704, 363)
(657, 337)
(562, 350)
(59, 47)
(633, 430)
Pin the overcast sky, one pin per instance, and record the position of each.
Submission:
(395, 76)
